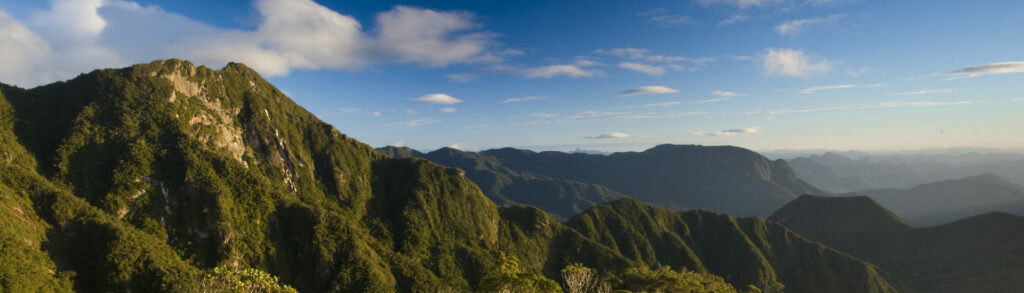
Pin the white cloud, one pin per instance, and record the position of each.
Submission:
(643, 68)
(399, 143)
(793, 62)
(437, 99)
(447, 110)
(591, 114)
(662, 18)
(922, 92)
(523, 99)
(653, 89)
(544, 115)
(724, 94)
(376, 114)
(729, 132)
(415, 122)
(609, 135)
(738, 3)
(867, 106)
(625, 52)
(736, 18)
(994, 68)
(74, 36)
(665, 104)
(796, 26)
(815, 89)
(550, 71)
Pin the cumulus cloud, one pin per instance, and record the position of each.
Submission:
(523, 99)
(797, 26)
(793, 62)
(643, 68)
(609, 135)
(437, 99)
(994, 68)
(652, 89)
(772, 113)
(73, 36)
(728, 132)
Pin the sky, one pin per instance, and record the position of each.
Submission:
(582, 74)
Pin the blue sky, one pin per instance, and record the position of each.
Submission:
(560, 75)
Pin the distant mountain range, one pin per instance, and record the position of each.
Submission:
(949, 200)
(167, 177)
(982, 253)
(724, 179)
(854, 171)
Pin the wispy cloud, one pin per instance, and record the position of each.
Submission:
(665, 104)
(719, 96)
(437, 99)
(677, 63)
(522, 99)
(609, 135)
(447, 110)
(548, 71)
(415, 122)
(793, 62)
(815, 89)
(643, 68)
(922, 92)
(346, 110)
(545, 115)
(728, 132)
(772, 113)
(994, 68)
(662, 18)
(736, 18)
(653, 89)
(742, 4)
(797, 26)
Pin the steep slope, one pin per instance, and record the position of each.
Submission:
(946, 201)
(977, 254)
(150, 178)
(561, 197)
(743, 250)
(723, 179)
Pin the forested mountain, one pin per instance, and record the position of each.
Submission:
(949, 200)
(166, 177)
(724, 179)
(982, 253)
(561, 197)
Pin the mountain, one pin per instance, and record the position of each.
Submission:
(167, 177)
(743, 250)
(854, 171)
(725, 179)
(560, 197)
(945, 201)
(977, 254)
(819, 175)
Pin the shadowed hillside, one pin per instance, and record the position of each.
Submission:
(946, 201)
(976, 254)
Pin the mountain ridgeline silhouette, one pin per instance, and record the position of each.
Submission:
(155, 177)
(981, 253)
(724, 179)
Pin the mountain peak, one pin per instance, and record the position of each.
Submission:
(858, 215)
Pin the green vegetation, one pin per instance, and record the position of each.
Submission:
(560, 197)
(166, 177)
(976, 254)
